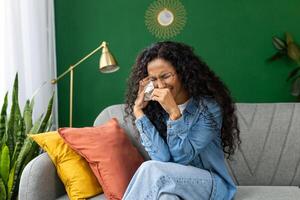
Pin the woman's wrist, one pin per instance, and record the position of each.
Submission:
(138, 112)
(175, 114)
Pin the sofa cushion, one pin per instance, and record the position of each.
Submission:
(270, 144)
(109, 152)
(268, 193)
(118, 112)
(72, 169)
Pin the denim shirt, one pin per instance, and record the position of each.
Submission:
(193, 139)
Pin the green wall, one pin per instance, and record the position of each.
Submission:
(233, 37)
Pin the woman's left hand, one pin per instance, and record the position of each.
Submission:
(166, 100)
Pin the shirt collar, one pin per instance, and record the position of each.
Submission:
(192, 106)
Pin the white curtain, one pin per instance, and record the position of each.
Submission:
(27, 46)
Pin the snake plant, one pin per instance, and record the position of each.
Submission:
(16, 149)
(289, 49)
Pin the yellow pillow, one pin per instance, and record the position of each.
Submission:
(73, 170)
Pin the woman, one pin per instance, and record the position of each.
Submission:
(186, 127)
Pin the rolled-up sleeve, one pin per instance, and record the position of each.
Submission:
(151, 140)
(187, 141)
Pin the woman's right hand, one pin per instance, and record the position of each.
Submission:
(139, 103)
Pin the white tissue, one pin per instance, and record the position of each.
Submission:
(148, 91)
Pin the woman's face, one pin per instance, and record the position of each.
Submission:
(164, 75)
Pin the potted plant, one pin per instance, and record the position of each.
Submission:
(16, 149)
(287, 48)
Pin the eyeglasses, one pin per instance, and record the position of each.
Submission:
(165, 78)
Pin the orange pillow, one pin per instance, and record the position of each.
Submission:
(109, 152)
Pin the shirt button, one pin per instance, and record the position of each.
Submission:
(169, 126)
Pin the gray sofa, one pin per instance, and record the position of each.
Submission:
(265, 168)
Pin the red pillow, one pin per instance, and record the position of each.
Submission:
(109, 152)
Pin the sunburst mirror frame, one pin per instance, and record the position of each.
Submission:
(165, 18)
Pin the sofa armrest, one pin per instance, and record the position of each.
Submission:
(39, 180)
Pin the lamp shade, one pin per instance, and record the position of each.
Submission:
(107, 63)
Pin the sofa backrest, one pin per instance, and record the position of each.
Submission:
(270, 149)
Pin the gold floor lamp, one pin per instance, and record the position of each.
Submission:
(107, 64)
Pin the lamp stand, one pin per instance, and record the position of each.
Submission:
(71, 97)
(107, 65)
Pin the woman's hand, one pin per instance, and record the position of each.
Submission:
(166, 100)
(139, 103)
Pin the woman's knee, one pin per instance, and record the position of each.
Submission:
(150, 165)
(151, 168)
(166, 196)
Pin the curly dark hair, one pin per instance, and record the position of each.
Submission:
(197, 79)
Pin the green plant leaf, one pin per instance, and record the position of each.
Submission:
(288, 38)
(293, 73)
(276, 56)
(47, 116)
(2, 190)
(22, 155)
(20, 137)
(49, 124)
(279, 44)
(28, 143)
(294, 52)
(3, 118)
(296, 87)
(27, 147)
(4, 164)
(34, 151)
(14, 118)
(11, 180)
(17, 150)
(27, 115)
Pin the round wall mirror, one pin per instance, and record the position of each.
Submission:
(165, 18)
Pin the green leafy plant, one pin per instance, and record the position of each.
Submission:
(16, 148)
(289, 49)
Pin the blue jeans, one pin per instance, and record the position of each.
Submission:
(169, 181)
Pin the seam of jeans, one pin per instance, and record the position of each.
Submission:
(194, 181)
(214, 186)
